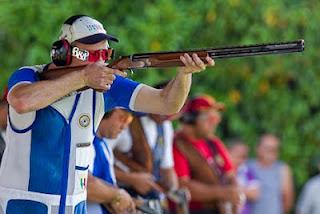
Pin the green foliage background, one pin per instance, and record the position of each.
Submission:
(277, 94)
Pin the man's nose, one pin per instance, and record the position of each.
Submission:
(100, 60)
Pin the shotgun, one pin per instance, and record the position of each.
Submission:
(172, 58)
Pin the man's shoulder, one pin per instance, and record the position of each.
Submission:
(25, 74)
(103, 143)
(216, 141)
(29, 68)
(281, 165)
(35, 68)
(314, 182)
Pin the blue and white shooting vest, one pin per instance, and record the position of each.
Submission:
(45, 165)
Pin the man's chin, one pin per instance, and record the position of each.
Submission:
(203, 135)
(115, 135)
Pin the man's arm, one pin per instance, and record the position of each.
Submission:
(208, 193)
(117, 199)
(252, 188)
(99, 191)
(287, 189)
(170, 99)
(129, 162)
(169, 180)
(140, 181)
(252, 192)
(31, 97)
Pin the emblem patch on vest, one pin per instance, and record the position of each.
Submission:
(84, 120)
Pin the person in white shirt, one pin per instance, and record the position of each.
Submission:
(146, 150)
(309, 200)
(160, 148)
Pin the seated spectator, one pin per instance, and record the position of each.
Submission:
(309, 199)
(202, 162)
(144, 162)
(103, 194)
(275, 178)
(245, 176)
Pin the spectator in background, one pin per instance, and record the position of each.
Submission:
(103, 193)
(275, 178)
(146, 151)
(144, 160)
(3, 122)
(201, 160)
(245, 177)
(309, 200)
(147, 147)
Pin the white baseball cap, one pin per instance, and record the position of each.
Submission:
(84, 29)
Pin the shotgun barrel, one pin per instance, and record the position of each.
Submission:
(172, 58)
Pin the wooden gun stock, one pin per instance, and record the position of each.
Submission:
(172, 58)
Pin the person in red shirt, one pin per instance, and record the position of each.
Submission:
(201, 160)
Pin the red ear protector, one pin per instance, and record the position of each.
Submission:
(62, 53)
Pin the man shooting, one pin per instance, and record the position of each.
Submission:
(52, 122)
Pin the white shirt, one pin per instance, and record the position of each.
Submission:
(123, 142)
(309, 200)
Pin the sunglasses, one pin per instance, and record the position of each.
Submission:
(92, 56)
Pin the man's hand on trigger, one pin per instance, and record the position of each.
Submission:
(100, 77)
(193, 64)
